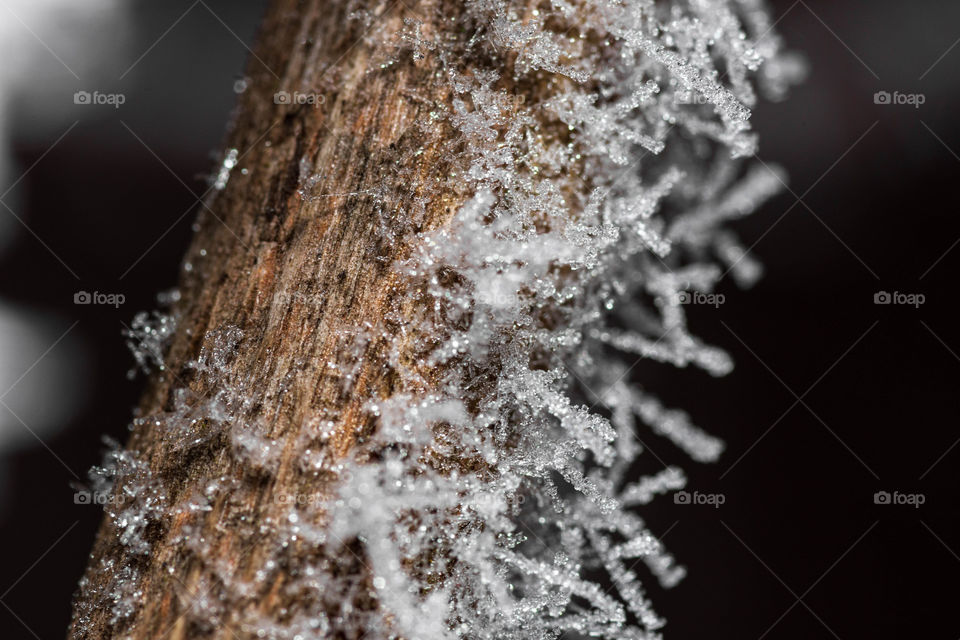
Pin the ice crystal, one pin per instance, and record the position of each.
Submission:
(497, 495)
(223, 175)
(147, 338)
(134, 505)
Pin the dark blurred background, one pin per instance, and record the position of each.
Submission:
(834, 398)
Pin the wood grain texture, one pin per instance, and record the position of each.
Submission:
(298, 267)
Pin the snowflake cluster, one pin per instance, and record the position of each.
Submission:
(497, 496)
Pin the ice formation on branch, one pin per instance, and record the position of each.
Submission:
(497, 495)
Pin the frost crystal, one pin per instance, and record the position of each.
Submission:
(147, 338)
(496, 497)
(223, 175)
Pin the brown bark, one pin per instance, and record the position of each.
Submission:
(296, 267)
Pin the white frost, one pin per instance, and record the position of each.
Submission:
(487, 507)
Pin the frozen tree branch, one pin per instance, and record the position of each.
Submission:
(457, 223)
